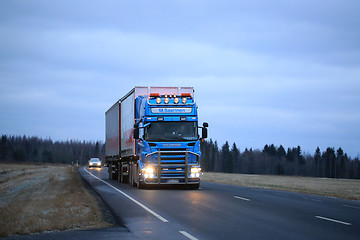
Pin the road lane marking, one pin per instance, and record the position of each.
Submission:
(241, 198)
(189, 236)
(333, 220)
(132, 199)
(351, 206)
(312, 199)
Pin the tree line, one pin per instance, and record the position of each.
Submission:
(273, 160)
(35, 149)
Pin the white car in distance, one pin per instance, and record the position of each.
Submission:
(94, 162)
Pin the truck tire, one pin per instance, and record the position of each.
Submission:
(134, 175)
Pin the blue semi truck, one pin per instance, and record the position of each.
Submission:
(152, 137)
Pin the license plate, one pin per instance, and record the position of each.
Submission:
(173, 181)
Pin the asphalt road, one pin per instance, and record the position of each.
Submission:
(217, 211)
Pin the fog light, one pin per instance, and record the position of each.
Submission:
(147, 175)
(195, 175)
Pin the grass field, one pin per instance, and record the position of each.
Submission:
(38, 198)
(341, 188)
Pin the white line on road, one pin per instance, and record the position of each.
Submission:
(333, 220)
(189, 236)
(132, 199)
(351, 206)
(241, 198)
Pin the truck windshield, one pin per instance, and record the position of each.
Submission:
(171, 131)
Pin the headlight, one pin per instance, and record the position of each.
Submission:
(176, 100)
(148, 172)
(158, 100)
(195, 170)
(166, 101)
(184, 100)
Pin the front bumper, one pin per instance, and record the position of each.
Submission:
(172, 167)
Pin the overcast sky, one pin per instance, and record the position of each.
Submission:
(264, 72)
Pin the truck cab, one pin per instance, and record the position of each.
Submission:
(167, 139)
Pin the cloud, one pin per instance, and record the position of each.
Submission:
(264, 72)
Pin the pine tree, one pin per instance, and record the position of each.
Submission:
(317, 162)
(226, 158)
(235, 157)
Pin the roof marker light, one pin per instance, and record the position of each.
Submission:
(186, 95)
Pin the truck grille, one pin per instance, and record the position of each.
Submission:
(174, 164)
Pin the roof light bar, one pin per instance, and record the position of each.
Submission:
(186, 95)
(154, 95)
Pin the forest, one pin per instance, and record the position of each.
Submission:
(271, 160)
(38, 150)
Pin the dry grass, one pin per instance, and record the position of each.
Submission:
(342, 188)
(35, 198)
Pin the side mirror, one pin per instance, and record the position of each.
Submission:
(204, 133)
(205, 125)
(136, 133)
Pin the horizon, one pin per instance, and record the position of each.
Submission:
(304, 153)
